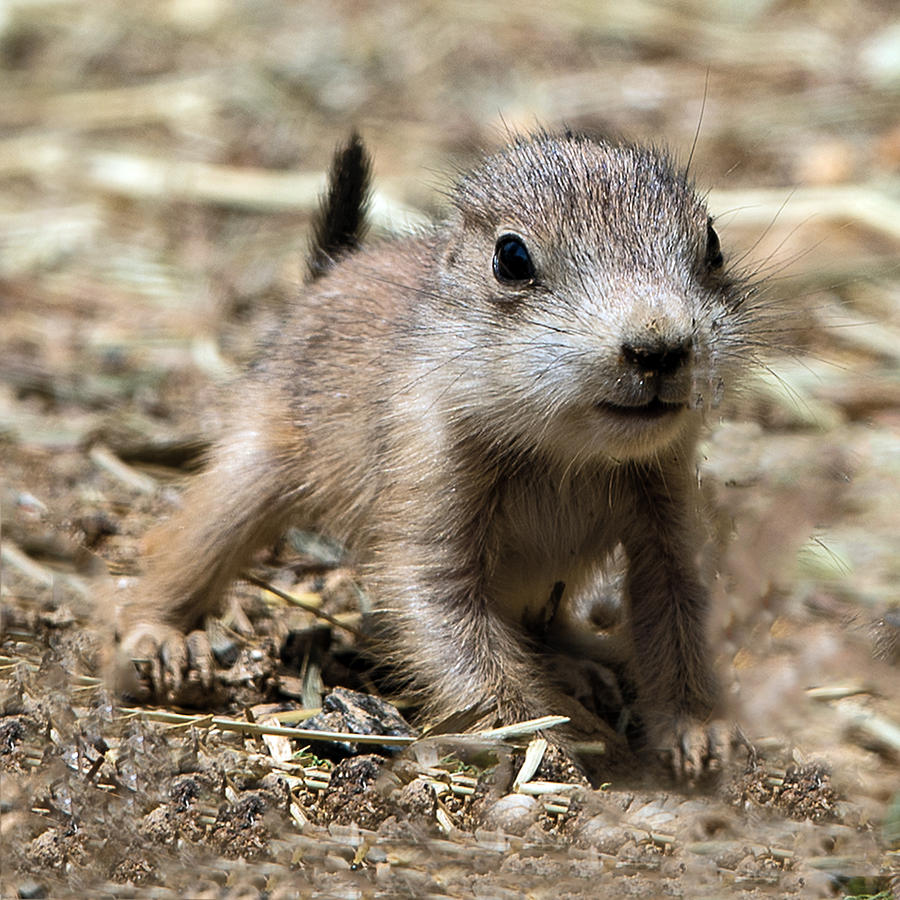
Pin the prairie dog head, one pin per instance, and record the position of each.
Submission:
(585, 300)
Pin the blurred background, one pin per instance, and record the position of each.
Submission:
(158, 165)
(159, 159)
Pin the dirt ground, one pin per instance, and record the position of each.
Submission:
(159, 161)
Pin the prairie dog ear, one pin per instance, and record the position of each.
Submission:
(341, 221)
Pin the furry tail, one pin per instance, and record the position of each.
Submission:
(340, 222)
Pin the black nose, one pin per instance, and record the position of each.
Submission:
(657, 357)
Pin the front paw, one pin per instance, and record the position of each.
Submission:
(693, 749)
(155, 662)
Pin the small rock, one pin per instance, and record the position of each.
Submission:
(417, 799)
(601, 834)
(512, 814)
(357, 713)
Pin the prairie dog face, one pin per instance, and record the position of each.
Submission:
(597, 317)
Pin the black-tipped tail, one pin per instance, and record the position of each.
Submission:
(340, 222)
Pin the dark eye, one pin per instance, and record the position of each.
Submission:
(512, 262)
(714, 259)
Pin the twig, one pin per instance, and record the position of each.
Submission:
(33, 571)
(11, 555)
(132, 175)
(105, 459)
(303, 604)
(166, 99)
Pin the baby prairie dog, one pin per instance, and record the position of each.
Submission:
(482, 414)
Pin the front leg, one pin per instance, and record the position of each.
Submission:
(463, 652)
(458, 652)
(668, 611)
(241, 502)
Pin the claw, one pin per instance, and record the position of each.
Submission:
(693, 750)
(173, 663)
(200, 657)
(159, 662)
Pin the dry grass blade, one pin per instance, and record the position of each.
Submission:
(146, 177)
(835, 864)
(165, 179)
(295, 715)
(786, 387)
(589, 748)
(442, 783)
(852, 202)
(533, 756)
(875, 727)
(717, 848)
(520, 729)
(278, 745)
(859, 332)
(224, 723)
(837, 691)
(557, 808)
(686, 33)
(445, 823)
(541, 788)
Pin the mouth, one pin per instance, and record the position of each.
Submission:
(653, 410)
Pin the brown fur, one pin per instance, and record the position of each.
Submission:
(464, 438)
